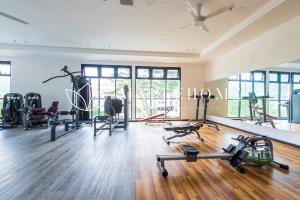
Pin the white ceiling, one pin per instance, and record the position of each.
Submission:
(98, 24)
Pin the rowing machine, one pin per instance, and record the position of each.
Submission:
(256, 150)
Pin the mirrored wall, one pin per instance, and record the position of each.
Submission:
(264, 97)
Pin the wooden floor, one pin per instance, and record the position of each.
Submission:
(123, 166)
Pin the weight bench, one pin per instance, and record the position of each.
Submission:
(69, 124)
(182, 130)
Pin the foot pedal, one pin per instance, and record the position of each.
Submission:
(190, 152)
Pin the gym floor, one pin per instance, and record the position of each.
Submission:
(123, 166)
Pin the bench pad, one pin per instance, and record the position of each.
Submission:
(182, 127)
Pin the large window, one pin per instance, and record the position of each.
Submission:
(240, 86)
(295, 81)
(4, 80)
(107, 81)
(156, 90)
(279, 91)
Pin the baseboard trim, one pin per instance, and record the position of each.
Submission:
(285, 137)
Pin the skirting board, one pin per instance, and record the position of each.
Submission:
(276, 134)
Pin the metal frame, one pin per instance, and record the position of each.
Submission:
(70, 126)
(110, 122)
(182, 131)
(234, 155)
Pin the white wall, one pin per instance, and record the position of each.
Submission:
(275, 47)
(28, 73)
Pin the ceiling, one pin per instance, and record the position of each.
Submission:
(148, 27)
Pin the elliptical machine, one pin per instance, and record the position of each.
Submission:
(11, 114)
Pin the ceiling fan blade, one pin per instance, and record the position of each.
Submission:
(13, 18)
(191, 9)
(183, 27)
(203, 27)
(219, 11)
(199, 7)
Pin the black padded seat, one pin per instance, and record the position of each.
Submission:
(182, 130)
(182, 127)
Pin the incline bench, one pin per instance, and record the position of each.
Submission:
(182, 130)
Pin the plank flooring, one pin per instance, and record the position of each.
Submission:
(123, 166)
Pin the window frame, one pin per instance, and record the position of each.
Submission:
(279, 82)
(8, 63)
(151, 68)
(115, 77)
(99, 67)
(240, 81)
(292, 80)
(6, 75)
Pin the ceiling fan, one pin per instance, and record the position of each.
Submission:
(13, 18)
(199, 19)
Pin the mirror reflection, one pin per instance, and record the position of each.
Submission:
(264, 97)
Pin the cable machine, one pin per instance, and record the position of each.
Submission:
(205, 96)
(81, 86)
